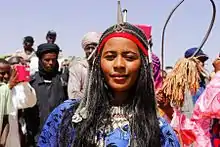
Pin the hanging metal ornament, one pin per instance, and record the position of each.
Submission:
(206, 35)
(125, 11)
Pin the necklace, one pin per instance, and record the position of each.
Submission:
(119, 119)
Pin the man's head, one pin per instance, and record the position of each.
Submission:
(216, 64)
(163, 74)
(5, 71)
(90, 42)
(51, 36)
(65, 63)
(28, 42)
(168, 69)
(48, 55)
(201, 56)
(16, 60)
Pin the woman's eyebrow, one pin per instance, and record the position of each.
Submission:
(127, 52)
(109, 51)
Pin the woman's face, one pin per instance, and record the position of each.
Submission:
(120, 63)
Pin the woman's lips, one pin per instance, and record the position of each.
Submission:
(120, 79)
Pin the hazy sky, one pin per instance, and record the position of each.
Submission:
(71, 19)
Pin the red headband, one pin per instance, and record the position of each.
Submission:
(123, 35)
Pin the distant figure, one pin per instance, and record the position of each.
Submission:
(23, 96)
(64, 66)
(50, 89)
(51, 36)
(27, 51)
(14, 96)
(28, 54)
(79, 69)
(163, 74)
(202, 58)
(168, 69)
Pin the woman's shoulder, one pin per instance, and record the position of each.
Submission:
(48, 136)
(66, 105)
(167, 134)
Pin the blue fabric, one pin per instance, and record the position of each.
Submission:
(190, 52)
(199, 92)
(167, 135)
(50, 135)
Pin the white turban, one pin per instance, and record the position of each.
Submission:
(90, 37)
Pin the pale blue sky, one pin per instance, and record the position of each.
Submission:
(71, 19)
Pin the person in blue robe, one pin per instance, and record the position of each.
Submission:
(119, 106)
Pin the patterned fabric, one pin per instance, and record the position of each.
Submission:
(56, 135)
(168, 137)
(157, 72)
(215, 131)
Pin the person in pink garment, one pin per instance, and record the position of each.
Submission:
(206, 113)
(203, 128)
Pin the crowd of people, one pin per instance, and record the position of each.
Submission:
(117, 95)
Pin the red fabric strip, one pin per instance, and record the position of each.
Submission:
(123, 35)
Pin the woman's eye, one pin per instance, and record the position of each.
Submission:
(130, 58)
(110, 57)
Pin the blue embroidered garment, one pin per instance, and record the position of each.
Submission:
(51, 132)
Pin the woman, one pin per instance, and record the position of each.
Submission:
(119, 107)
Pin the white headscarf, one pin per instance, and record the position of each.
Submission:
(90, 37)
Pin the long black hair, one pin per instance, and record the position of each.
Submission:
(144, 123)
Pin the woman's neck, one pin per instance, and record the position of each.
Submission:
(120, 98)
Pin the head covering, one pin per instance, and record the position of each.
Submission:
(90, 37)
(147, 30)
(47, 48)
(51, 33)
(43, 49)
(155, 60)
(201, 55)
(128, 31)
(28, 39)
(156, 71)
